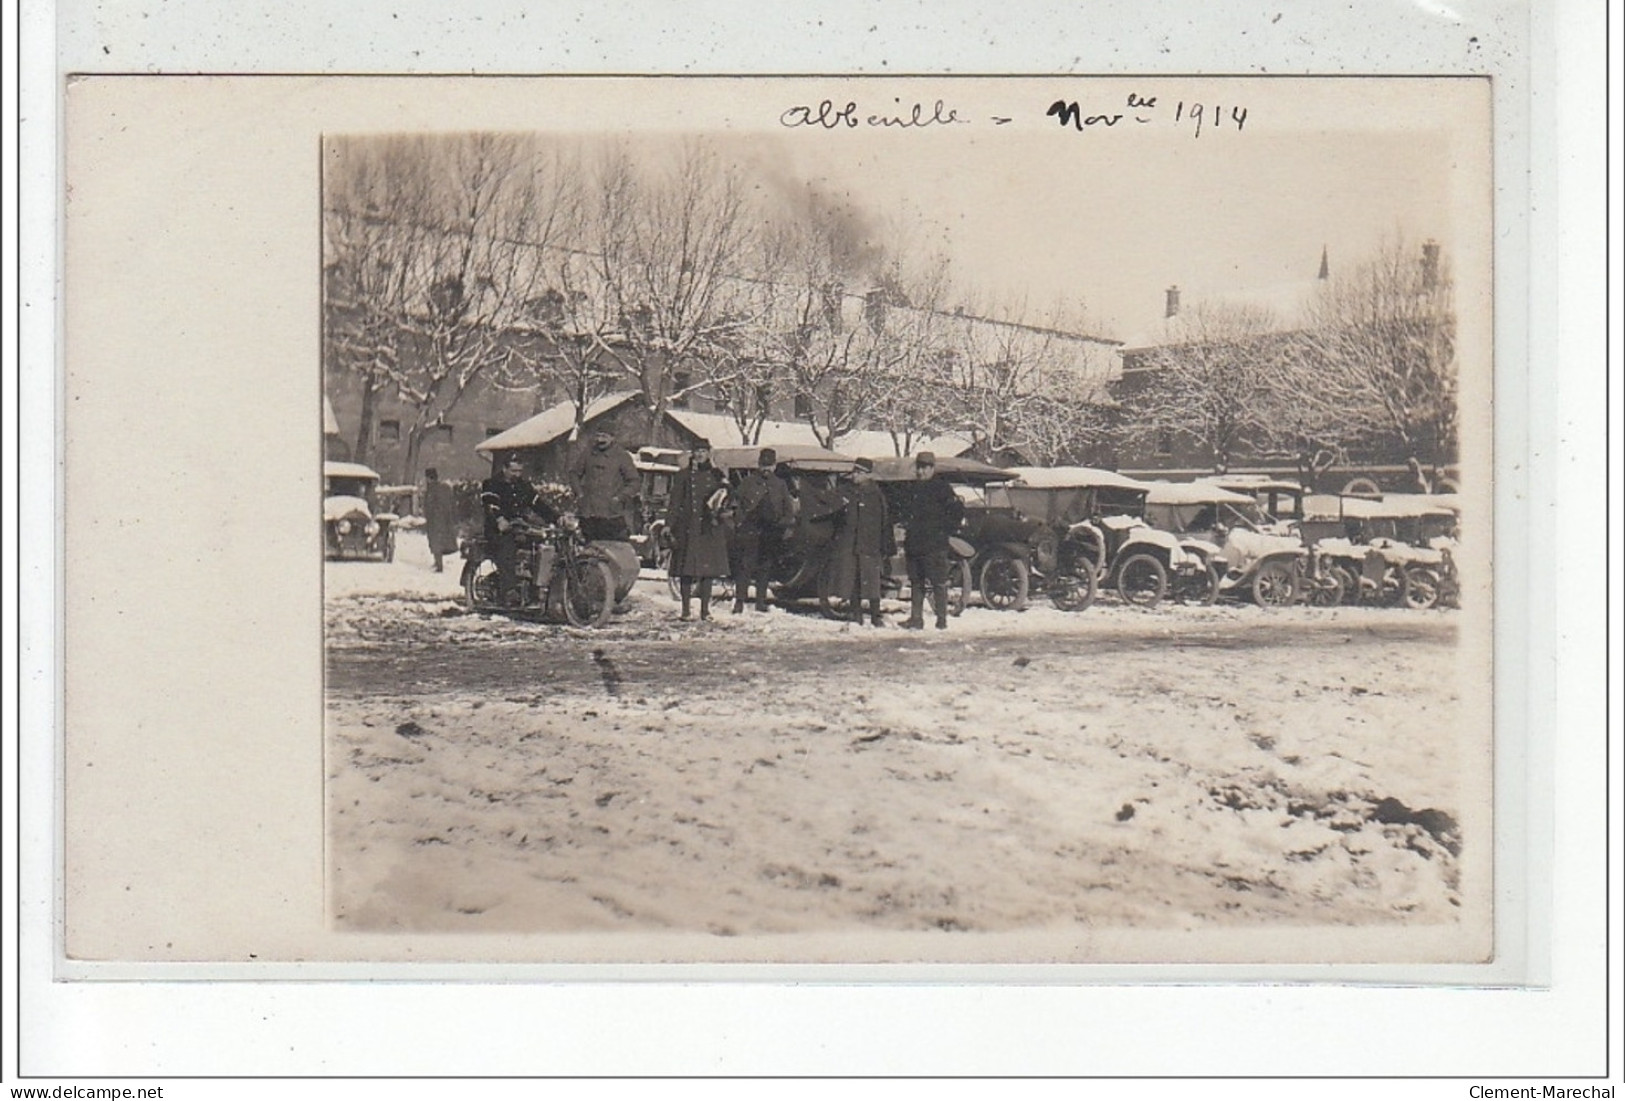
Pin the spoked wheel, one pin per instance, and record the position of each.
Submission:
(1142, 580)
(1274, 585)
(1196, 585)
(1422, 587)
(1325, 591)
(959, 585)
(1004, 582)
(481, 590)
(589, 592)
(1073, 592)
(1351, 584)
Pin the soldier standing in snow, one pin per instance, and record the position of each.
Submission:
(605, 482)
(765, 511)
(863, 541)
(439, 517)
(699, 550)
(934, 513)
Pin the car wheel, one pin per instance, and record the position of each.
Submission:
(959, 585)
(1073, 592)
(1274, 585)
(1142, 580)
(1325, 591)
(1350, 581)
(1422, 587)
(1196, 586)
(589, 592)
(1004, 582)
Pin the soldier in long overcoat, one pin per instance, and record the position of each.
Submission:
(694, 516)
(934, 514)
(863, 541)
(764, 516)
(439, 517)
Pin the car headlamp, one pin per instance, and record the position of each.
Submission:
(344, 527)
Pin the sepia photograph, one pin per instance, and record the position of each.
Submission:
(823, 542)
(914, 520)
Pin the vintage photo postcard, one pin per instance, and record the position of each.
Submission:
(1017, 521)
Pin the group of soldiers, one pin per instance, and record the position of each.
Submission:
(721, 530)
(718, 530)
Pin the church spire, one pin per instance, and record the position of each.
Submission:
(1325, 266)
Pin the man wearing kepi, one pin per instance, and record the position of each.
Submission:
(765, 511)
(863, 541)
(508, 500)
(439, 517)
(605, 482)
(699, 541)
(934, 513)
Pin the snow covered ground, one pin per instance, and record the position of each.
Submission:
(1173, 769)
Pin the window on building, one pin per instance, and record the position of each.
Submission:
(680, 382)
(490, 431)
(803, 406)
(764, 397)
(443, 433)
(1165, 441)
(389, 430)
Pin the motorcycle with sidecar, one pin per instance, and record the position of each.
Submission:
(558, 574)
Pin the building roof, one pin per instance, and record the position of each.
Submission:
(551, 423)
(723, 431)
(1285, 302)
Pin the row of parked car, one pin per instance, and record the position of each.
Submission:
(1067, 534)
(1070, 534)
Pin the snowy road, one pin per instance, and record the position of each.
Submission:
(1179, 769)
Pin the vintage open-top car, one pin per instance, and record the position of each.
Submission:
(352, 529)
(1255, 556)
(1394, 549)
(1093, 535)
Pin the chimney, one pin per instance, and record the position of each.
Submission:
(1172, 309)
(1430, 265)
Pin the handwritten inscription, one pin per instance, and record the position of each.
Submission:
(830, 116)
(1143, 111)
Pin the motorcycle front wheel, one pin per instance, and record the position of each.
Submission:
(588, 592)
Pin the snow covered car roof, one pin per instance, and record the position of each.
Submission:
(800, 456)
(900, 468)
(1392, 506)
(348, 470)
(1073, 477)
(1252, 483)
(1194, 493)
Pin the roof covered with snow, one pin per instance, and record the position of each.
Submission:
(1073, 477)
(550, 424)
(723, 431)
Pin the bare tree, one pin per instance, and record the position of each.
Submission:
(1385, 332)
(666, 247)
(1211, 382)
(433, 242)
(1027, 390)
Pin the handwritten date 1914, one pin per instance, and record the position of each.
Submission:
(1142, 110)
